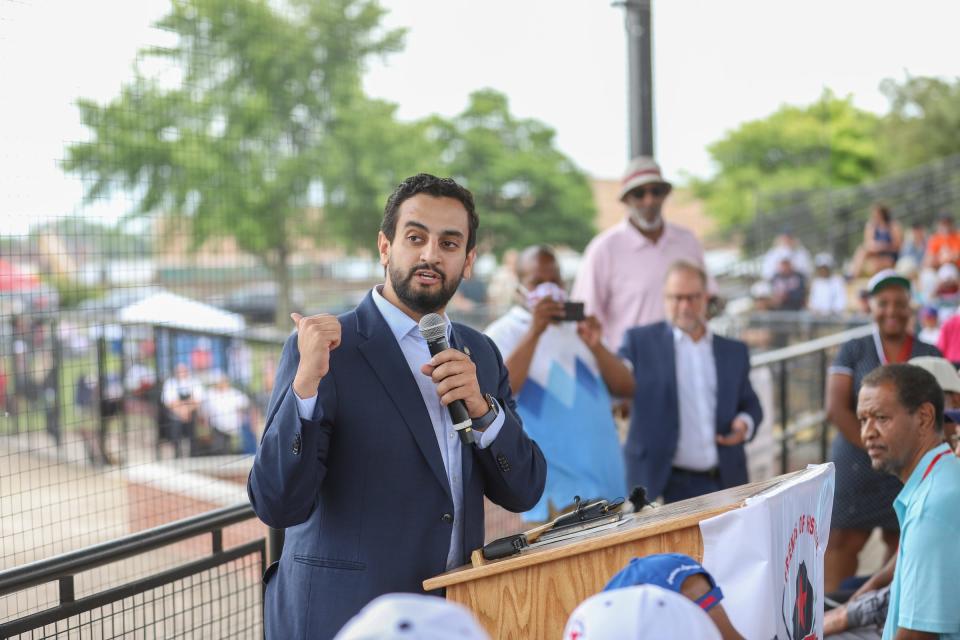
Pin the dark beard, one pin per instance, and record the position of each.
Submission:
(422, 301)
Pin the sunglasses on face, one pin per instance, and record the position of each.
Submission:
(656, 190)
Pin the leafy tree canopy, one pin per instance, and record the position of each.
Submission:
(923, 123)
(828, 143)
(526, 190)
(250, 136)
(266, 119)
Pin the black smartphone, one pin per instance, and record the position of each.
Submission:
(573, 312)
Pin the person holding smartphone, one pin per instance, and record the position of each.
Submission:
(562, 375)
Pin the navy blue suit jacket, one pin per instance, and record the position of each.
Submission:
(655, 417)
(361, 488)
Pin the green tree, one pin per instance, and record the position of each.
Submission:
(829, 143)
(923, 123)
(252, 133)
(526, 190)
(369, 154)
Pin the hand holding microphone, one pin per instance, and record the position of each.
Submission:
(455, 375)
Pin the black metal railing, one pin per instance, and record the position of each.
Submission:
(220, 594)
(800, 371)
(217, 596)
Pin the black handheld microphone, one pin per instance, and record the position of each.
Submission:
(433, 328)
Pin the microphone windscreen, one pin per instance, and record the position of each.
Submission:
(433, 327)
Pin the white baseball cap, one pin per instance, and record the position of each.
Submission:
(941, 369)
(642, 612)
(411, 616)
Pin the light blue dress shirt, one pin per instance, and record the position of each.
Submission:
(417, 354)
(923, 593)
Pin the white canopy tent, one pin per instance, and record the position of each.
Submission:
(176, 312)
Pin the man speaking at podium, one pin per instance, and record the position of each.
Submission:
(359, 460)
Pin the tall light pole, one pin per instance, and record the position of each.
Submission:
(639, 75)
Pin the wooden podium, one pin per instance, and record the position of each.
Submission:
(530, 595)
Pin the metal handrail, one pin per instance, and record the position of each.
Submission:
(809, 347)
(74, 562)
(69, 564)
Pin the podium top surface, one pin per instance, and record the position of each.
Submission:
(670, 517)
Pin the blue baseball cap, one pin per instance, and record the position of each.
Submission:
(667, 570)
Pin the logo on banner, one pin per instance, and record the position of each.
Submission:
(798, 599)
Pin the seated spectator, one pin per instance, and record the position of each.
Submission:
(882, 237)
(786, 246)
(789, 288)
(227, 411)
(929, 325)
(915, 244)
(683, 574)
(181, 397)
(866, 611)
(900, 409)
(412, 616)
(639, 613)
(948, 282)
(944, 244)
(139, 380)
(828, 291)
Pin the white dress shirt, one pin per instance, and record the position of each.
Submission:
(417, 354)
(696, 371)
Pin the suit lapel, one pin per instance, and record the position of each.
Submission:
(669, 353)
(721, 380)
(385, 357)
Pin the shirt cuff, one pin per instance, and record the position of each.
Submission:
(305, 406)
(488, 435)
(746, 417)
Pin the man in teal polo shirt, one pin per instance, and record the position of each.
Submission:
(900, 408)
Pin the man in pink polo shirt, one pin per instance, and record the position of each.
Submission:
(621, 276)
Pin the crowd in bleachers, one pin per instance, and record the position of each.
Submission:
(793, 280)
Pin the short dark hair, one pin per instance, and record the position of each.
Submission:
(915, 386)
(436, 187)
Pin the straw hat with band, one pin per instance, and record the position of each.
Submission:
(642, 170)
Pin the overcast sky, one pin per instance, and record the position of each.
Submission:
(716, 65)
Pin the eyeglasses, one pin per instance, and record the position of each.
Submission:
(656, 190)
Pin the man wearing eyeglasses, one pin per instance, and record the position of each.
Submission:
(694, 407)
(620, 279)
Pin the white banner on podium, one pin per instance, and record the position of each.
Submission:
(767, 557)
